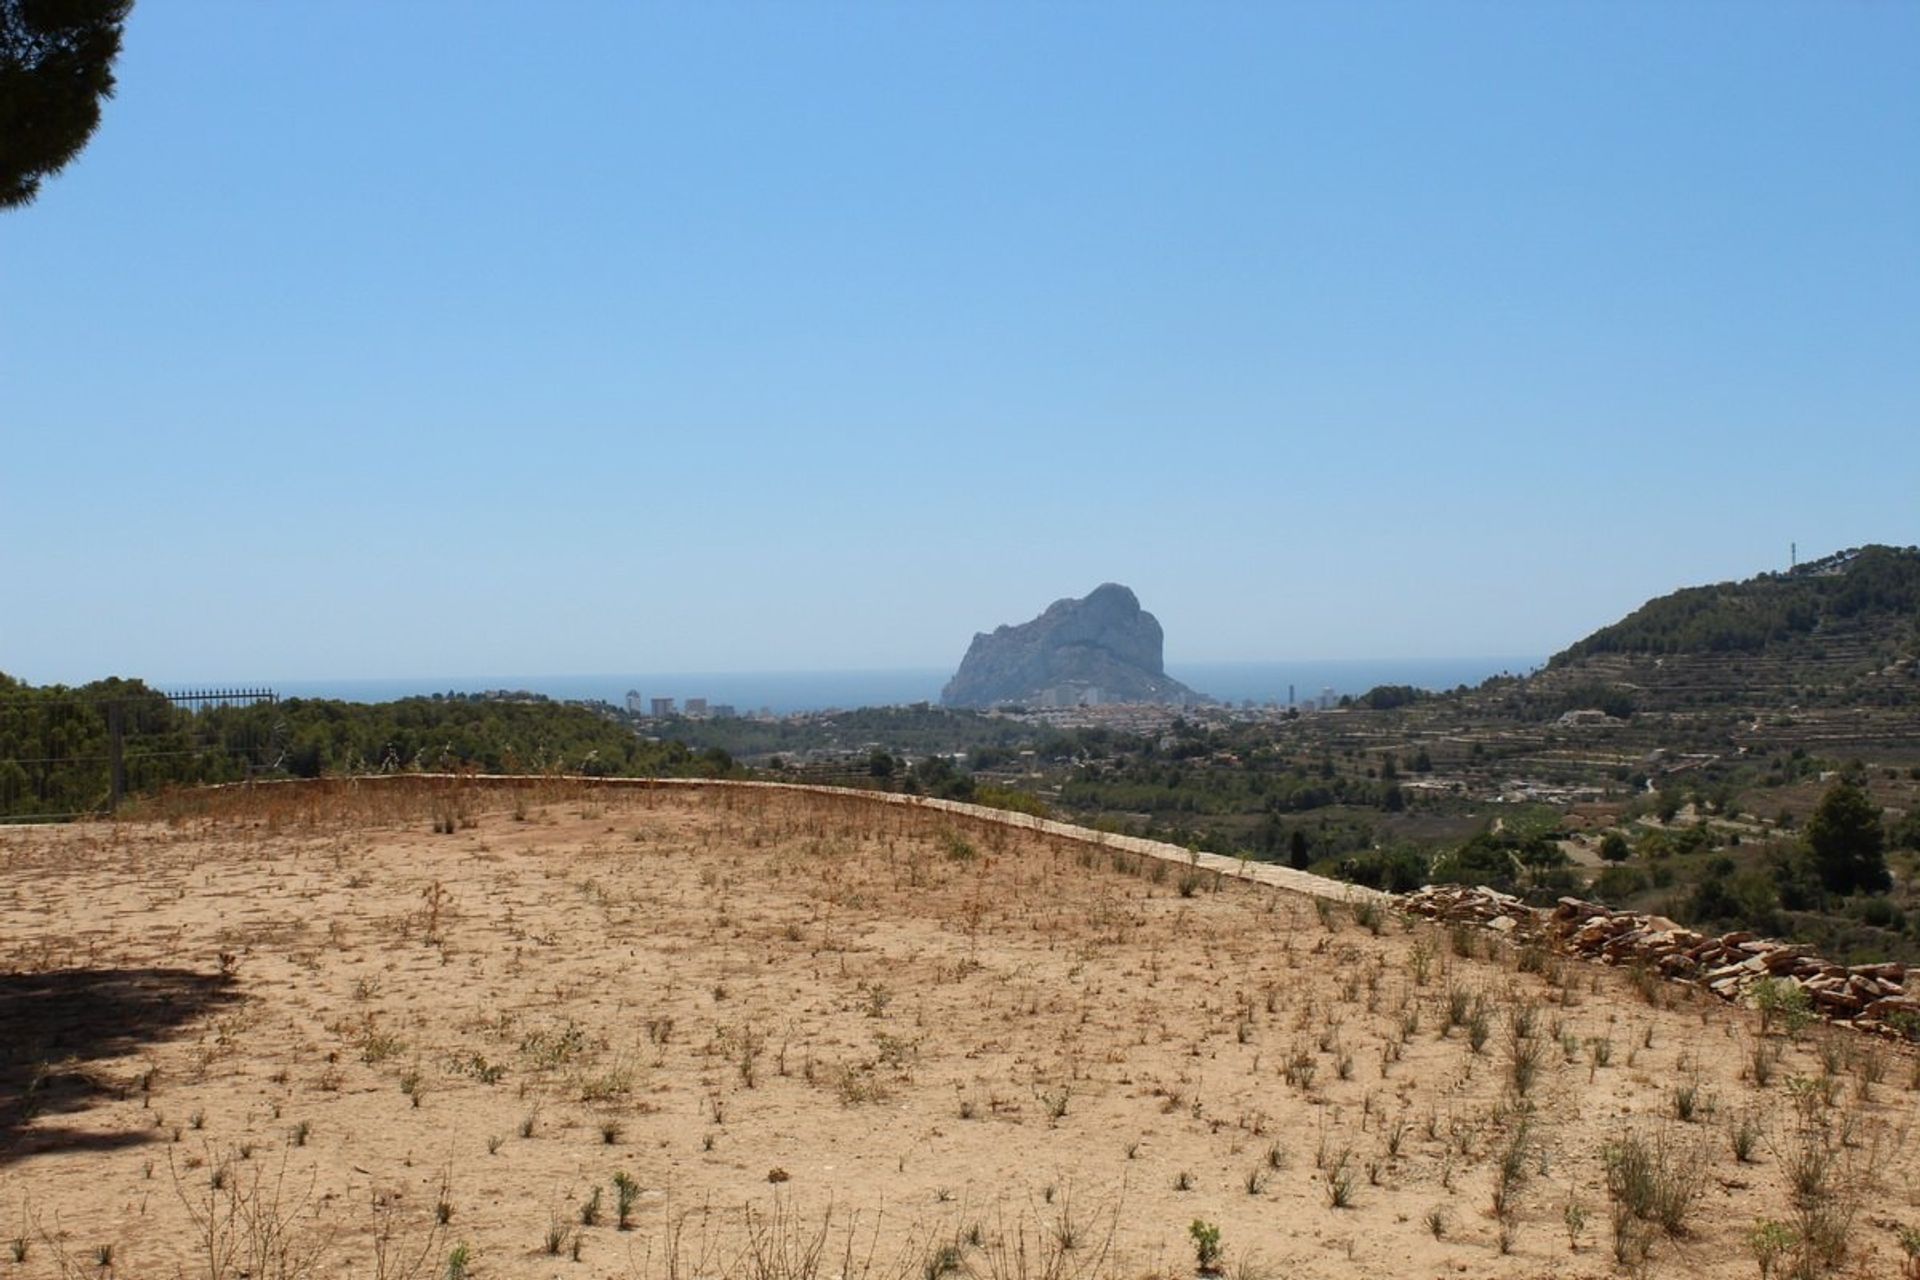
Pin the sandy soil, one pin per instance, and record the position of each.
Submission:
(287, 1034)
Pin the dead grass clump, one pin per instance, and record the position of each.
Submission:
(252, 1224)
(1336, 1171)
(1657, 1179)
(1831, 1160)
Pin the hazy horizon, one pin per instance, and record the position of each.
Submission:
(915, 667)
(739, 336)
(784, 691)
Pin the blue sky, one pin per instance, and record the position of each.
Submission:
(429, 338)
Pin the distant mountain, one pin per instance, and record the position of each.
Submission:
(1844, 628)
(1104, 648)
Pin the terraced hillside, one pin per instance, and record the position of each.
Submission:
(1844, 631)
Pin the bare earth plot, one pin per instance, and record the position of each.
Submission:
(288, 1033)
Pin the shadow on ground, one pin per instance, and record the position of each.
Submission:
(56, 1026)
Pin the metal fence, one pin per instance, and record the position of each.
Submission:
(71, 755)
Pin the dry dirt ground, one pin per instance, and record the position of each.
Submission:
(807, 1038)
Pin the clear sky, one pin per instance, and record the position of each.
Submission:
(434, 337)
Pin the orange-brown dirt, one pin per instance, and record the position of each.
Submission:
(272, 1033)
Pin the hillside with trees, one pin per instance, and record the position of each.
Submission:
(1870, 586)
(1843, 630)
(56, 743)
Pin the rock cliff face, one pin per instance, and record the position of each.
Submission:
(1104, 648)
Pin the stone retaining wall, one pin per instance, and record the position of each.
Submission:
(1872, 997)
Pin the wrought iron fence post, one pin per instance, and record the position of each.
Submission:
(117, 750)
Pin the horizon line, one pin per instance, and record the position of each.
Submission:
(733, 673)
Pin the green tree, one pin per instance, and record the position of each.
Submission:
(1846, 841)
(1500, 861)
(1385, 697)
(1613, 847)
(56, 67)
(937, 777)
(1713, 898)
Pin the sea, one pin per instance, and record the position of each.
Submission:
(786, 692)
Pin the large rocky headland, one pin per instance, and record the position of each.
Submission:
(1103, 648)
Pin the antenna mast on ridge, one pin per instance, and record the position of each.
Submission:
(1793, 555)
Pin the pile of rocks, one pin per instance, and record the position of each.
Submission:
(1870, 996)
(1472, 904)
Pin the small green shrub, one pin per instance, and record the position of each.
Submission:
(1206, 1246)
(626, 1193)
(1781, 1001)
(1769, 1241)
(1746, 1134)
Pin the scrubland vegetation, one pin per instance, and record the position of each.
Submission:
(55, 751)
